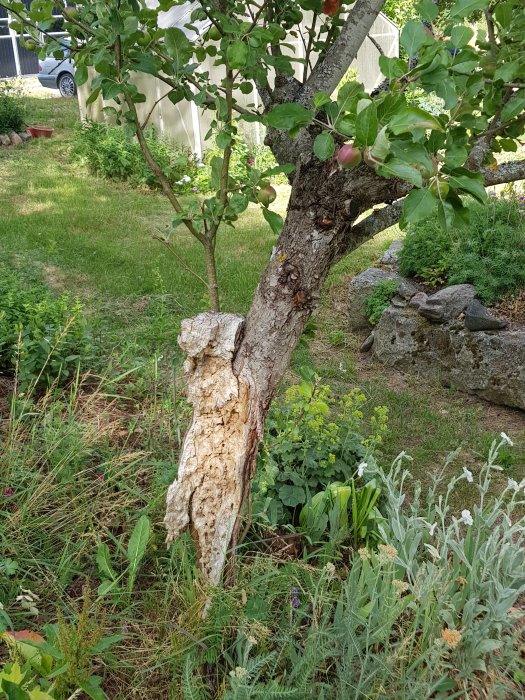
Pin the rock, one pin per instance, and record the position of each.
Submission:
(390, 255)
(367, 344)
(489, 365)
(448, 303)
(478, 318)
(417, 300)
(363, 285)
(15, 138)
(5, 140)
(25, 136)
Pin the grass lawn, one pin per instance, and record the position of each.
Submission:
(94, 238)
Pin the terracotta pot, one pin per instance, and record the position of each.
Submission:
(44, 132)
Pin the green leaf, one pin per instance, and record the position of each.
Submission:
(238, 203)
(289, 116)
(507, 71)
(392, 67)
(446, 214)
(223, 139)
(324, 145)
(413, 37)
(398, 168)
(505, 12)
(321, 99)
(81, 73)
(106, 643)
(103, 559)
(286, 168)
(460, 36)
(13, 691)
(410, 118)
(178, 46)
(471, 183)
(93, 97)
(463, 8)
(381, 146)
(428, 10)
(418, 205)
(366, 125)
(292, 495)
(274, 220)
(237, 54)
(92, 688)
(514, 106)
(137, 546)
(215, 172)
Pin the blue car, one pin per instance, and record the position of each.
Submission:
(58, 73)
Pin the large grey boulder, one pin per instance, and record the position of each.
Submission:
(448, 303)
(488, 364)
(362, 285)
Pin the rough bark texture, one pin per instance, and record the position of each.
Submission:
(208, 493)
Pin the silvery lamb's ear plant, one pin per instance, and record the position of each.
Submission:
(469, 566)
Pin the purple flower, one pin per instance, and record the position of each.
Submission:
(195, 189)
(295, 598)
(9, 492)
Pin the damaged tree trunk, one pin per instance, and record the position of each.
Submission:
(234, 367)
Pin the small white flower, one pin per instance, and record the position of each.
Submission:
(179, 182)
(432, 529)
(361, 469)
(466, 517)
(186, 178)
(506, 438)
(468, 475)
(511, 484)
(201, 165)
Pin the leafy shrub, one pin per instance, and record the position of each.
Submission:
(380, 299)
(311, 440)
(42, 338)
(11, 109)
(488, 252)
(110, 152)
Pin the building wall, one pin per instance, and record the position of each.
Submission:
(187, 124)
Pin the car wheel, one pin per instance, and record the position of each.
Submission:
(67, 85)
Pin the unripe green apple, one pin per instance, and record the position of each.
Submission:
(439, 188)
(267, 195)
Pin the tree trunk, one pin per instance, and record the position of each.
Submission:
(233, 368)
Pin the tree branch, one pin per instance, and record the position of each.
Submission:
(328, 73)
(374, 223)
(511, 171)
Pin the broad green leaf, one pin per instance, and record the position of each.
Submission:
(321, 99)
(418, 205)
(237, 54)
(348, 95)
(216, 172)
(106, 643)
(178, 46)
(286, 168)
(238, 203)
(92, 688)
(504, 12)
(413, 37)
(274, 219)
(223, 139)
(471, 183)
(410, 118)
(13, 691)
(289, 116)
(514, 106)
(137, 546)
(292, 495)
(381, 146)
(446, 214)
(324, 145)
(507, 71)
(366, 125)
(398, 168)
(460, 35)
(81, 73)
(392, 67)
(94, 96)
(428, 9)
(463, 8)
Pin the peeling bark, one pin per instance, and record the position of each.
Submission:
(208, 493)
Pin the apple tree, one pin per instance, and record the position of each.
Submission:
(356, 162)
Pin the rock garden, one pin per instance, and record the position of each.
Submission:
(450, 307)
